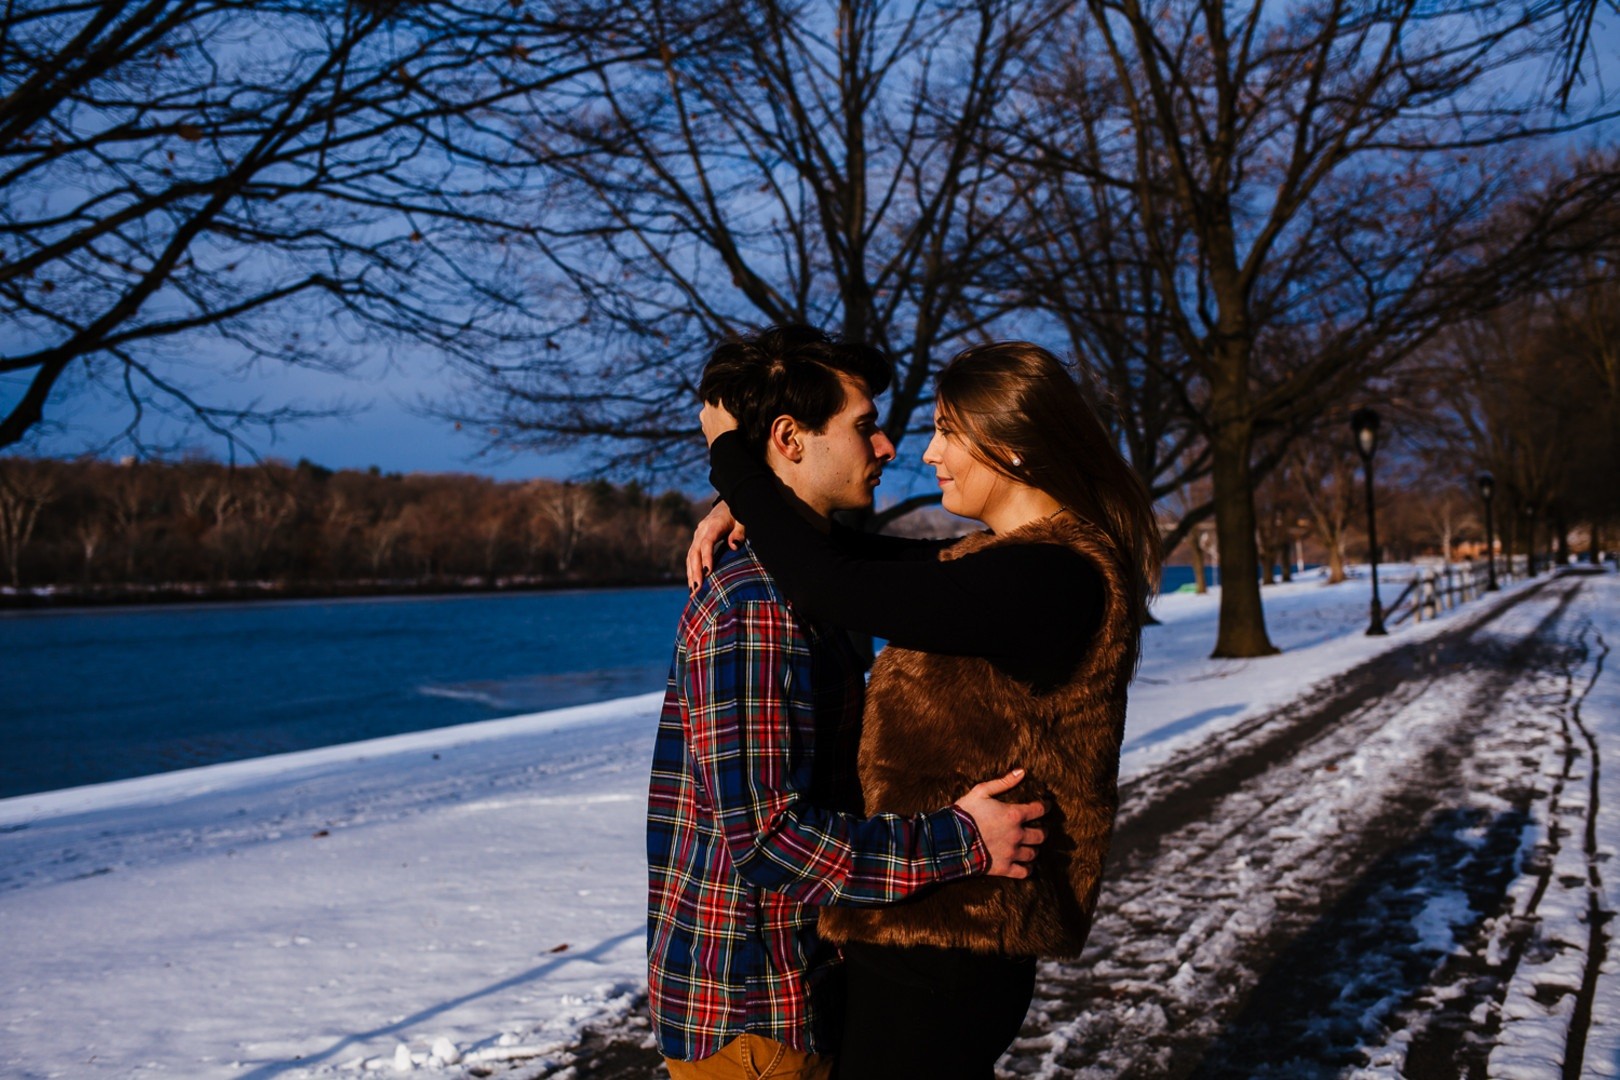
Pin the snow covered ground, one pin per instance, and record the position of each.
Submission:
(474, 895)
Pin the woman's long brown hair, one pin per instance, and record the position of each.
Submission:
(1014, 399)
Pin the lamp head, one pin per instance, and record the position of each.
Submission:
(1487, 485)
(1364, 422)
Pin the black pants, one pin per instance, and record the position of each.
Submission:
(944, 1014)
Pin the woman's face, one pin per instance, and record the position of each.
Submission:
(967, 485)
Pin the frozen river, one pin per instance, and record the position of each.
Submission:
(105, 694)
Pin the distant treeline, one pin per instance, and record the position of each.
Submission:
(102, 530)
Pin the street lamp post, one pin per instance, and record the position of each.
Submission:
(1364, 422)
(1487, 489)
(1530, 544)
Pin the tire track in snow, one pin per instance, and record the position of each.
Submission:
(1509, 1000)
(1597, 918)
(1407, 974)
(1557, 940)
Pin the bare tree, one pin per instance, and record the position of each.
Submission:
(128, 503)
(1278, 513)
(1587, 334)
(1312, 188)
(91, 532)
(380, 539)
(797, 163)
(268, 507)
(567, 515)
(1180, 504)
(1575, 44)
(1522, 393)
(260, 183)
(1079, 261)
(26, 488)
(1325, 472)
(1444, 512)
(491, 523)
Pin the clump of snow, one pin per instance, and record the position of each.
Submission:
(1435, 924)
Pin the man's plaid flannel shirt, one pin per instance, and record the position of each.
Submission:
(753, 822)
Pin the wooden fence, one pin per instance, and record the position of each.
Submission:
(1434, 590)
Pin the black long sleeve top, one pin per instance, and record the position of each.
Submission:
(1030, 609)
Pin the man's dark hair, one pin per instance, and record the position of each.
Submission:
(790, 370)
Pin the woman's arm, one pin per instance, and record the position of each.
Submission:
(866, 545)
(719, 526)
(1019, 600)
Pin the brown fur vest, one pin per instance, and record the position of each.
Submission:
(936, 725)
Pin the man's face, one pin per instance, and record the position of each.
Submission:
(843, 463)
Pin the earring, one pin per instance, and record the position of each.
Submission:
(1017, 461)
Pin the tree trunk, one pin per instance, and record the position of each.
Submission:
(1336, 561)
(1195, 548)
(1243, 620)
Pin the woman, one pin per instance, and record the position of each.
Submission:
(1010, 647)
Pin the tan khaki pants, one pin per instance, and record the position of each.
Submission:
(753, 1057)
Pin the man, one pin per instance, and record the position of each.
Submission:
(753, 812)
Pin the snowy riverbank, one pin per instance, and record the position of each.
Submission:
(478, 889)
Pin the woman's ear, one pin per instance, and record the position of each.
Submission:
(786, 438)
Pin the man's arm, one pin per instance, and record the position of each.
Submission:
(755, 769)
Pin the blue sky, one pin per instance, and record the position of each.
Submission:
(386, 424)
(383, 422)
